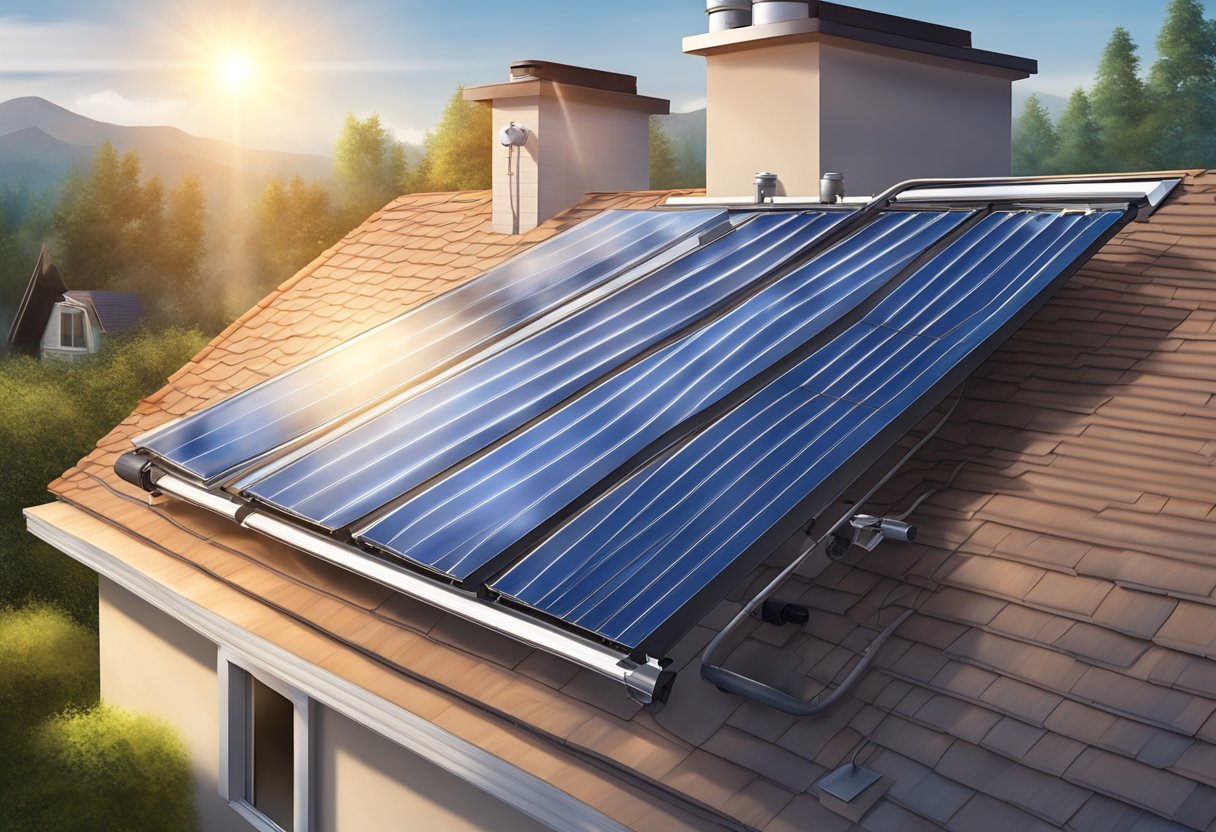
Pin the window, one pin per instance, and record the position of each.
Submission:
(71, 328)
(265, 752)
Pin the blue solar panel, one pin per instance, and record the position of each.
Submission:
(628, 563)
(377, 460)
(216, 441)
(464, 521)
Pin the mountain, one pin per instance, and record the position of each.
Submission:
(41, 141)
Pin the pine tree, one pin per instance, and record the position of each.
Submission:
(1183, 88)
(1034, 140)
(182, 248)
(662, 158)
(1120, 105)
(1079, 144)
(458, 151)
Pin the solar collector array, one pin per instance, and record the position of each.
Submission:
(608, 428)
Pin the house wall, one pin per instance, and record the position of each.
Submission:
(880, 116)
(362, 782)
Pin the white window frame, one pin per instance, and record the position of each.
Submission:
(74, 313)
(235, 674)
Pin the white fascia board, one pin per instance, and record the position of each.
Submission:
(513, 786)
(1151, 190)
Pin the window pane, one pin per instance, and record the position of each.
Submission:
(78, 329)
(271, 749)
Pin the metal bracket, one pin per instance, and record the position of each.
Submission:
(867, 531)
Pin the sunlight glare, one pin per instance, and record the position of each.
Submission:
(235, 71)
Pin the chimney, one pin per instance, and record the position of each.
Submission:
(561, 132)
(810, 88)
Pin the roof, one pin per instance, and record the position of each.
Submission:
(115, 311)
(44, 290)
(1058, 669)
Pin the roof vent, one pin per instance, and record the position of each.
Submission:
(852, 790)
(766, 186)
(778, 11)
(728, 14)
(831, 188)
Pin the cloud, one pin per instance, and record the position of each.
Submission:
(110, 106)
(41, 48)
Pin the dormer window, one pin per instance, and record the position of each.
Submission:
(72, 329)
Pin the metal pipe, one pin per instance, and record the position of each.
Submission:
(649, 683)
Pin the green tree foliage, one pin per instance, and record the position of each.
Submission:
(52, 414)
(458, 149)
(369, 165)
(1183, 88)
(1120, 105)
(1034, 140)
(663, 172)
(68, 763)
(25, 224)
(112, 233)
(296, 221)
(1167, 122)
(1078, 140)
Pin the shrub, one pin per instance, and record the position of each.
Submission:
(52, 414)
(105, 770)
(48, 663)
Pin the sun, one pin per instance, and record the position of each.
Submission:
(235, 71)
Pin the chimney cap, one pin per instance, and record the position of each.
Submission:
(579, 76)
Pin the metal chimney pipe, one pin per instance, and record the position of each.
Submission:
(778, 11)
(765, 186)
(831, 188)
(728, 14)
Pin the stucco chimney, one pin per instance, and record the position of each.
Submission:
(586, 130)
(877, 97)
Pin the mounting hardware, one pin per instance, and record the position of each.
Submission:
(779, 612)
(867, 532)
(849, 781)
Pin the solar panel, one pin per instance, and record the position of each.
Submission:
(354, 472)
(462, 523)
(679, 528)
(213, 443)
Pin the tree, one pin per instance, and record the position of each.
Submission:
(182, 251)
(663, 174)
(1183, 88)
(295, 222)
(1119, 104)
(369, 165)
(1034, 140)
(458, 151)
(1079, 144)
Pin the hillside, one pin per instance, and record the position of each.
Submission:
(41, 141)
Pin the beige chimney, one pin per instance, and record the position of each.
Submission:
(833, 88)
(584, 130)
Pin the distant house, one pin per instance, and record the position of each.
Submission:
(63, 324)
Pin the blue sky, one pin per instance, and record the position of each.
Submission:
(136, 62)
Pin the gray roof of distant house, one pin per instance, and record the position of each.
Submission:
(115, 311)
